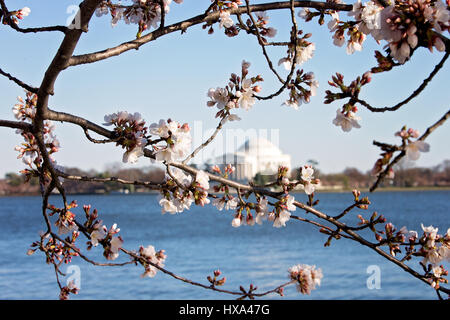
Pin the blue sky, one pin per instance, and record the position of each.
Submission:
(169, 78)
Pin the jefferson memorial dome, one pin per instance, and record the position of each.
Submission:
(256, 155)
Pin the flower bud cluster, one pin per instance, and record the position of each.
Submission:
(239, 93)
(299, 94)
(66, 290)
(66, 219)
(25, 110)
(56, 251)
(14, 16)
(214, 279)
(144, 13)
(262, 19)
(302, 50)
(346, 117)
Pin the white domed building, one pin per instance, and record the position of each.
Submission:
(257, 155)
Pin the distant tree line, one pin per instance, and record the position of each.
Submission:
(350, 178)
(16, 183)
(405, 176)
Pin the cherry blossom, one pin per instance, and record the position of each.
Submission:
(168, 206)
(413, 149)
(307, 277)
(177, 137)
(262, 210)
(237, 221)
(245, 97)
(307, 177)
(152, 258)
(347, 121)
(203, 179)
(225, 19)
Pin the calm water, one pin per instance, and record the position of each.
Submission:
(201, 240)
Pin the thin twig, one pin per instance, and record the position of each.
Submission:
(413, 95)
(403, 152)
(18, 82)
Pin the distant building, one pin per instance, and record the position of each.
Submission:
(256, 155)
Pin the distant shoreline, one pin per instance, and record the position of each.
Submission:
(364, 190)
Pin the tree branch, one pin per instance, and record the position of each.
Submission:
(18, 82)
(403, 152)
(413, 95)
(202, 18)
(7, 20)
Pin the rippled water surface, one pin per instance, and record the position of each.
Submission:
(201, 240)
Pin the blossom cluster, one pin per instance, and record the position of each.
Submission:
(262, 19)
(29, 152)
(403, 25)
(15, 16)
(144, 13)
(182, 190)
(132, 134)
(152, 258)
(306, 179)
(346, 117)
(177, 137)
(434, 248)
(68, 289)
(239, 93)
(56, 251)
(66, 218)
(302, 51)
(279, 215)
(225, 21)
(306, 276)
(298, 94)
(412, 148)
(108, 239)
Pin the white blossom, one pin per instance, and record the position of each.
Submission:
(305, 53)
(167, 206)
(245, 98)
(236, 222)
(203, 179)
(286, 62)
(225, 19)
(346, 122)
(281, 219)
(413, 149)
(96, 235)
(218, 96)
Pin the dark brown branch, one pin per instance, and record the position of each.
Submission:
(16, 125)
(202, 18)
(413, 95)
(7, 20)
(403, 152)
(18, 82)
(148, 184)
(83, 123)
(61, 59)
